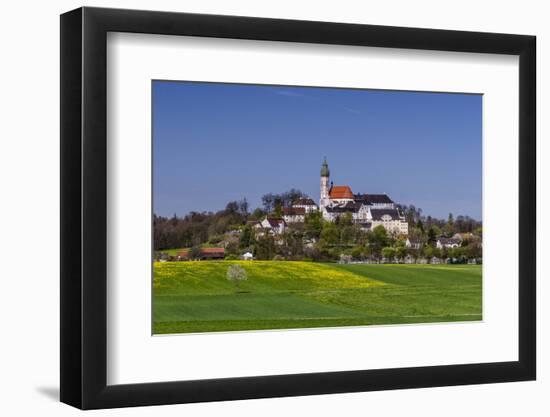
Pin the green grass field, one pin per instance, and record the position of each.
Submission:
(197, 297)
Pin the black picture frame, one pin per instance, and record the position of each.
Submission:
(84, 207)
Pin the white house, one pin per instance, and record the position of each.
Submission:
(294, 214)
(247, 256)
(414, 243)
(305, 203)
(448, 243)
(271, 225)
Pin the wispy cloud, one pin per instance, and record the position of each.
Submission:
(289, 93)
(350, 110)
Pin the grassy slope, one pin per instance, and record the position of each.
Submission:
(196, 296)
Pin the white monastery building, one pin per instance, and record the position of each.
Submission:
(368, 210)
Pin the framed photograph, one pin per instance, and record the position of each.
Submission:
(257, 208)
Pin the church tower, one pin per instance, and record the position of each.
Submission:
(325, 174)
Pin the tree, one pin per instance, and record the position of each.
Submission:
(243, 207)
(285, 199)
(195, 252)
(288, 197)
(245, 239)
(357, 252)
(473, 250)
(265, 247)
(313, 225)
(420, 225)
(377, 239)
(448, 230)
(450, 219)
(268, 201)
(330, 234)
(236, 274)
(278, 209)
(388, 252)
(232, 207)
(257, 214)
(431, 236)
(401, 252)
(232, 248)
(291, 244)
(428, 251)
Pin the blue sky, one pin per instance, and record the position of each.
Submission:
(213, 143)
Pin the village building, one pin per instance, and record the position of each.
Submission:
(414, 243)
(294, 214)
(305, 203)
(367, 210)
(270, 225)
(247, 256)
(391, 219)
(466, 236)
(448, 243)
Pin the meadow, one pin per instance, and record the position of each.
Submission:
(196, 296)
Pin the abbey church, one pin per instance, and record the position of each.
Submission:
(367, 210)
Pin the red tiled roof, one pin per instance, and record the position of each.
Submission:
(213, 250)
(275, 222)
(340, 191)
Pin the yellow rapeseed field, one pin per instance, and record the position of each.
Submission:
(209, 274)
